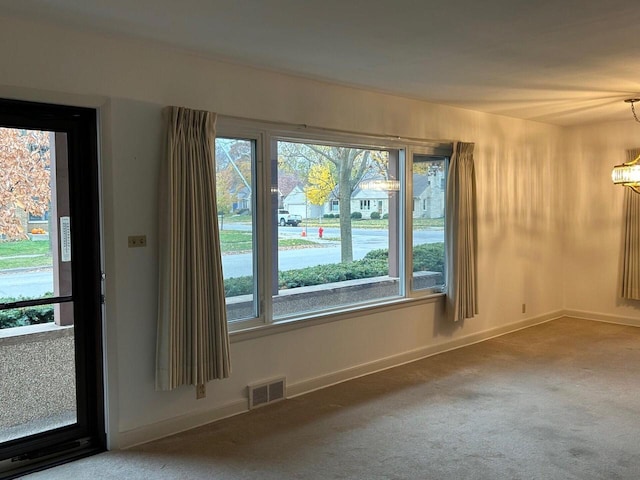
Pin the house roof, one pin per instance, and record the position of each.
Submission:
(565, 62)
(287, 182)
(420, 183)
(295, 197)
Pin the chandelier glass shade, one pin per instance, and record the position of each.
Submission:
(628, 174)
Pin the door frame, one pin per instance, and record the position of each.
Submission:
(87, 436)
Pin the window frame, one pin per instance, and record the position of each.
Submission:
(266, 136)
(411, 203)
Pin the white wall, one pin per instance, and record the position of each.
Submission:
(594, 217)
(518, 165)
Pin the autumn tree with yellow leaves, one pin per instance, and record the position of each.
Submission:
(320, 184)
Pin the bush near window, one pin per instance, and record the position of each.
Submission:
(385, 216)
(427, 257)
(375, 215)
(337, 272)
(356, 215)
(238, 286)
(20, 317)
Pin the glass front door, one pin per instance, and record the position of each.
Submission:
(50, 301)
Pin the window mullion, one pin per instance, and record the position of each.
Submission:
(267, 261)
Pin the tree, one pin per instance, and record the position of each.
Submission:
(320, 184)
(348, 166)
(223, 191)
(233, 172)
(24, 178)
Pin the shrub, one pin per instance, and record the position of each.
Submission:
(428, 257)
(20, 317)
(327, 215)
(337, 215)
(356, 215)
(336, 272)
(375, 215)
(318, 275)
(238, 286)
(378, 254)
(385, 216)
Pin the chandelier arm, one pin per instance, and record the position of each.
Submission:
(633, 110)
(632, 101)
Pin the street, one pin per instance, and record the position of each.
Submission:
(32, 283)
(35, 283)
(364, 240)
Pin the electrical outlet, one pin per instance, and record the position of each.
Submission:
(524, 308)
(137, 241)
(201, 391)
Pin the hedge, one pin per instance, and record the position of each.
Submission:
(20, 317)
(426, 257)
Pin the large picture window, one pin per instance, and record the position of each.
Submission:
(312, 225)
(333, 261)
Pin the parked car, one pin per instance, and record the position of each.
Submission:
(286, 218)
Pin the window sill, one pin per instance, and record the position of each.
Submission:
(243, 332)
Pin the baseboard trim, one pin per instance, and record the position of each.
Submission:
(165, 428)
(602, 317)
(323, 381)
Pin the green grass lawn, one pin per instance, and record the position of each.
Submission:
(233, 241)
(24, 253)
(23, 247)
(27, 253)
(295, 242)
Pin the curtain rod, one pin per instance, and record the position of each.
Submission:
(304, 126)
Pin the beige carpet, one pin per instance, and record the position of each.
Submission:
(556, 401)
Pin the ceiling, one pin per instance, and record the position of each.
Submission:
(564, 62)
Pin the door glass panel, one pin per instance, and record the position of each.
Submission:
(429, 184)
(37, 353)
(37, 366)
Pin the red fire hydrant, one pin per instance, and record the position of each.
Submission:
(320, 230)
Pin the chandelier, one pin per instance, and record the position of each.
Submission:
(628, 174)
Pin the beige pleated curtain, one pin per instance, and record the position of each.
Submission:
(630, 271)
(192, 339)
(462, 234)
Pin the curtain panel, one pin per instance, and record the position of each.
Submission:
(192, 338)
(462, 234)
(630, 271)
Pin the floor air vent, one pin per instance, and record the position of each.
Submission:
(264, 393)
